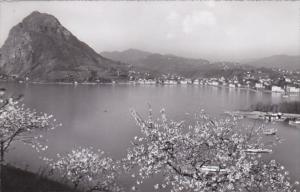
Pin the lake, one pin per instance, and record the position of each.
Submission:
(98, 115)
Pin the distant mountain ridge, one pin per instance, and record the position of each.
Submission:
(187, 66)
(41, 49)
(159, 63)
(127, 56)
(277, 61)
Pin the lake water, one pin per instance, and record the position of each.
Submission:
(98, 115)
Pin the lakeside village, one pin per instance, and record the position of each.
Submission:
(287, 83)
(271, 80)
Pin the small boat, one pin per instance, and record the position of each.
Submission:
(258, 150)
(212, 169)
(270, 132)
(273, 117)
(294, 122)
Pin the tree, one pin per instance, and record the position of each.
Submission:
(206, 155)
(20, 124)
(92, 171)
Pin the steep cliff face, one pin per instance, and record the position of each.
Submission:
(41, 49)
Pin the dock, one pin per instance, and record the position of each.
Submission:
(269, 116)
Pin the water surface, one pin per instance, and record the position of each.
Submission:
(98, 115)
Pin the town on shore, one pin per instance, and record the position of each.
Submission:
(287, 83)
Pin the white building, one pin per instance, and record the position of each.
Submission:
(150, 82)
(293, 89)
(214, 83)
(196, 82)
(170, 82)
(189, 81)
(183, 82)
(232, 85)
(277, 89)
(259, 86)
(288, 80)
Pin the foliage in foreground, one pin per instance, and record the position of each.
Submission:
(208, 155)
(88, 170)
(20, 124)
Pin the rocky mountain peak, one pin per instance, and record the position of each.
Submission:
(41, 49)
(37, 20)
(42, 23)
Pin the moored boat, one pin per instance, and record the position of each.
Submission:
(212, 169)
(295, 122)
(270, 131)
(258, 150)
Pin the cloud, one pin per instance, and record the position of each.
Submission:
(196, 19)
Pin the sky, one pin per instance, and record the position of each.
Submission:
(223, 30)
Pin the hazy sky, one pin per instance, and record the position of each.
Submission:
(212, 30)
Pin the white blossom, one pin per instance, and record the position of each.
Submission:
(87, 169)
(20, 124)
(206, 154)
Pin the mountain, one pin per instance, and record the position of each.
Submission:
(41, 49)
(277, 61)
(158, 63)
(127, 56)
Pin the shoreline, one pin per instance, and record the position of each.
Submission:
(136, 83)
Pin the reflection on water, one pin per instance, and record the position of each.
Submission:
(98, 115)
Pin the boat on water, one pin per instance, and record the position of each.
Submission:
(270, 131)
(212, 169)
(258, 150)
(273, 117)
(293, 119)
(295, 122)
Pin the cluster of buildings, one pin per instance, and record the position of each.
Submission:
(274, 81)
(260, 84)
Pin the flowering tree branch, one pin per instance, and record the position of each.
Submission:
(205, 155)
(22, 124)
(92, 171)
